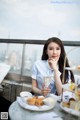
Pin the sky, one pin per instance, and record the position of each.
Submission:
(40, 19)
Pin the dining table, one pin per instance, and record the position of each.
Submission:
(17, 112)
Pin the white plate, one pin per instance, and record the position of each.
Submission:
(33, 108)
(66, 86)
(72, 68)
(71, 111)
(25, 94)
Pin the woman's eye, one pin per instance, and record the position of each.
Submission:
(53, 48)
(58, 49)
(50, 48)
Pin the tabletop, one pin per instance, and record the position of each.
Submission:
(16, 112)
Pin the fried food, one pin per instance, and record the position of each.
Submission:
(73, 104)
(39, 102)
(78, 89)
(31, 101)
(69, 103)
(36, 101)
(72, 86)
(66, 104)
(78, 67)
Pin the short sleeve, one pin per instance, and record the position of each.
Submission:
(34, 71)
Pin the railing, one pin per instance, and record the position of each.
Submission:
(30, 41)
(18, 81)
(20, 77)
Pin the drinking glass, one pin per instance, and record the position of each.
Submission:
(47, 81)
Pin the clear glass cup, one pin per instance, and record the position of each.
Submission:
(47, 81)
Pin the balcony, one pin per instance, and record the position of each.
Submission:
(21, 54)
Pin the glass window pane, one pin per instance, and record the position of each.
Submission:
(12, 55)
(32, 53)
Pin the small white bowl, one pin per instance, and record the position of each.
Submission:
(25, 95)
(50, 101)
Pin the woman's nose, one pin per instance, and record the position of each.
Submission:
(54, 51)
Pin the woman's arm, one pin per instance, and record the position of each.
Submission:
(35, 87)
(44, 91)
(54, 65)
(58, 82)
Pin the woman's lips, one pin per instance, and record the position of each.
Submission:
(54, 56)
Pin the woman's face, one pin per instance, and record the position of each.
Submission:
(53, 50)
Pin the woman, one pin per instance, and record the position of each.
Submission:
(51, 64)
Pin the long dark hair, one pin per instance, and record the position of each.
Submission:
(61, 59)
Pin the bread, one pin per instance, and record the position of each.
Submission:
(78, 67)
(31, 101)
(71, 100)
(73, 104)
(69, 103)
(78, 89)
(66, 104)
(72, 86)
(39, 102)
(35, 101)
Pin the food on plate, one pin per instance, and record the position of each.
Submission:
(78, 67)
(31, 101)
(72, 104)
(72, 86)
(37, 101)
(65, 104)
(78, 89)
(66, 99)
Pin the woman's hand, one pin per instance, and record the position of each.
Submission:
(45, 90)
(53, 63)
